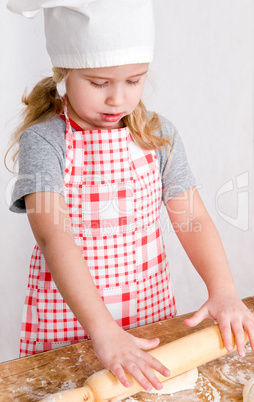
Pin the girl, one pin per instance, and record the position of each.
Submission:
(94, 167)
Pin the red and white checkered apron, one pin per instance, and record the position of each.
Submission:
(113, 192)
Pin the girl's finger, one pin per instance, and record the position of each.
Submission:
(249, 328)
(118, 371)
(150, 375)
(156, 365)
(136, 373)
(226, 333)
(198, 317)
(147, 344)
(239, 338)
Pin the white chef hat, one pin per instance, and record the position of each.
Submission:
(94, 33)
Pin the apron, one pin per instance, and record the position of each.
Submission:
(113, 193)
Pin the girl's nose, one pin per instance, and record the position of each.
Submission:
(115, 97)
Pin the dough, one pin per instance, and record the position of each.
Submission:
(181, 382)
(248, 391)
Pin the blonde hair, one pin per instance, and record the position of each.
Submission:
(44, 102)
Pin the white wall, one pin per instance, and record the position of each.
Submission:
(202, 78)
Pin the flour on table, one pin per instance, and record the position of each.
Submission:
(180, 383)
(248, 391)
(206, 388)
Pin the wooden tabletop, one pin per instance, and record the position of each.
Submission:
(32, 378)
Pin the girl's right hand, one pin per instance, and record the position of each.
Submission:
(122, 352)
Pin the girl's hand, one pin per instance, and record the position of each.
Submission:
(122, 352)
(232, 315)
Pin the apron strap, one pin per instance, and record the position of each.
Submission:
(72, 122)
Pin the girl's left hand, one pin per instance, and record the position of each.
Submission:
(232, 315)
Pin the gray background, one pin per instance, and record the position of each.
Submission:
(202, 80)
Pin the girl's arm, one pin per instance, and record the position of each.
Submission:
(118, 350)
(203, 246)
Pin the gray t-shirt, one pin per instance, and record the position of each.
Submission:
(42, 162)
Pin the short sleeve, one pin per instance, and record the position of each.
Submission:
(176, 174)
(40, 169)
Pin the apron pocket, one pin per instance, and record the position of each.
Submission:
(56, 322)
(150, 251)
(121, 301)
(156, 300)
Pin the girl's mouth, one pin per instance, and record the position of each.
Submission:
(111, 117)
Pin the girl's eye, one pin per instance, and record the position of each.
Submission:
(133, 82)
(98, 85)
(129, 82)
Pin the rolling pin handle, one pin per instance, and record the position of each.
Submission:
(83, 394)
(88, 394)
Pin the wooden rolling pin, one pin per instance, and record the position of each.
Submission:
(179, 356)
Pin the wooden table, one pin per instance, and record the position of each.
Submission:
(32, 378)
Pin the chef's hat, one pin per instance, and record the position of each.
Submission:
(94, 33)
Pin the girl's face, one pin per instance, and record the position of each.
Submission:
(98, 98)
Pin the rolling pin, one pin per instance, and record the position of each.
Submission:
(179, 356)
